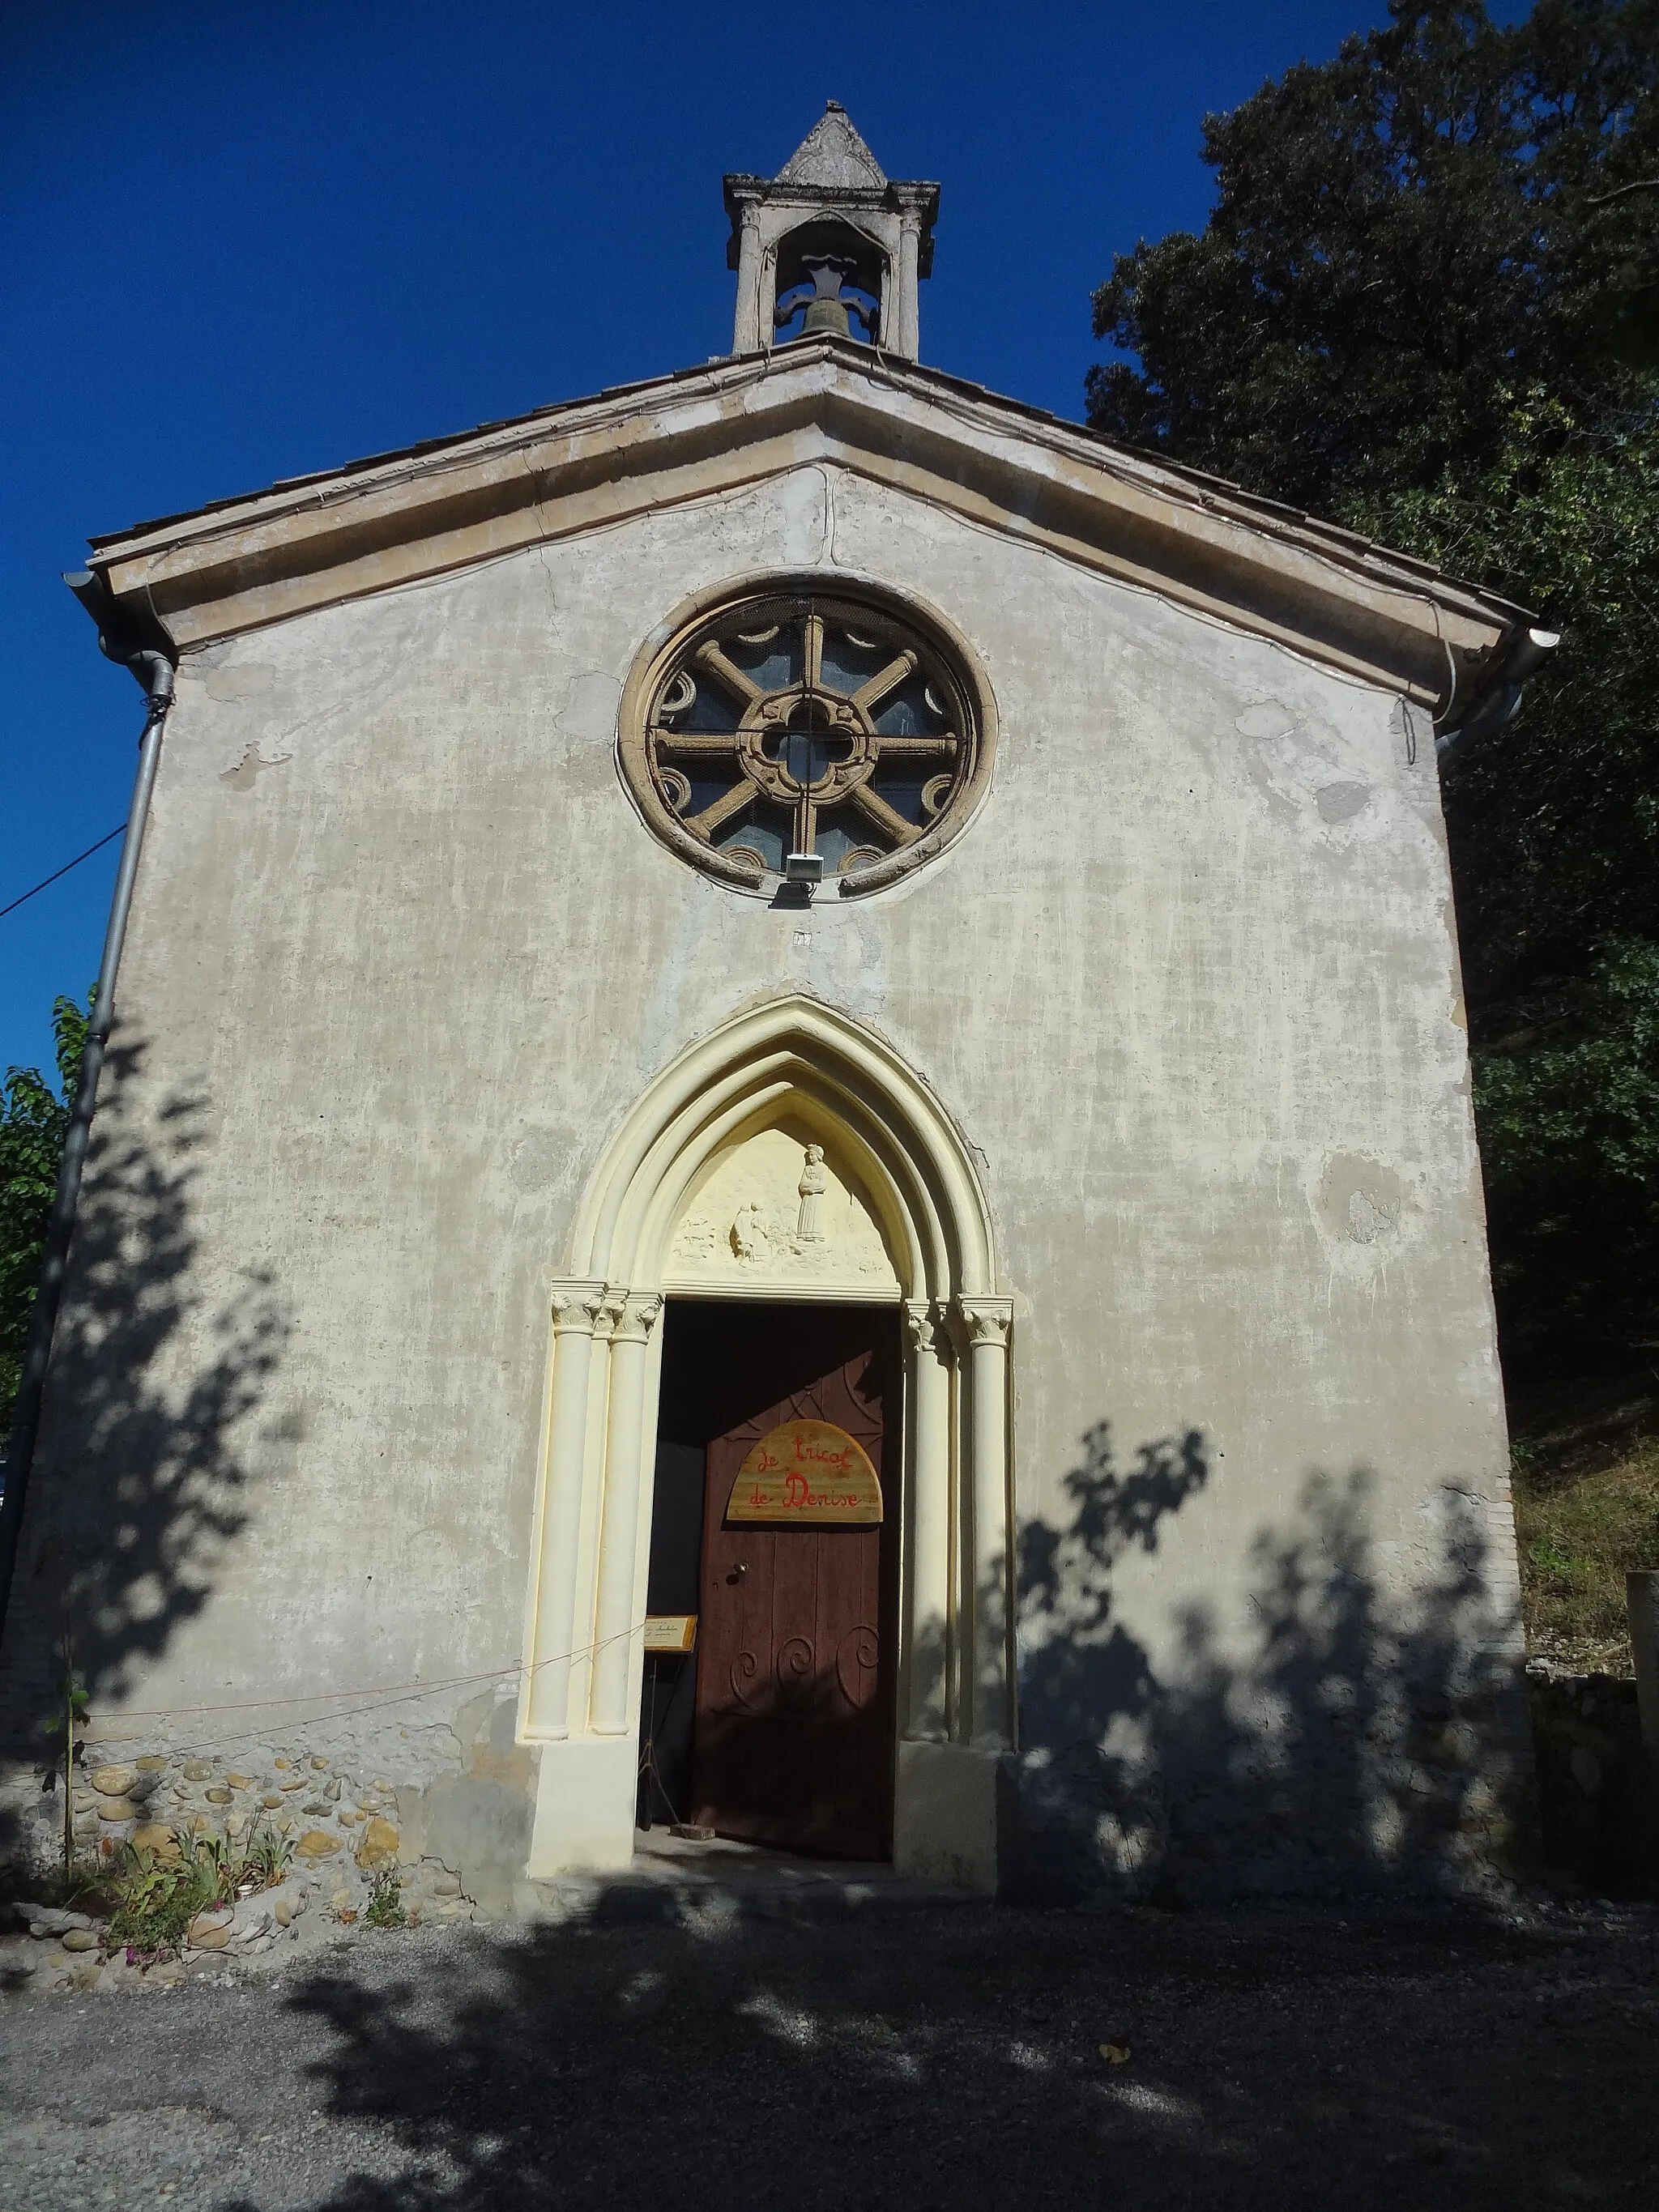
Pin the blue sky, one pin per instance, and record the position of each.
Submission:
(248, 240)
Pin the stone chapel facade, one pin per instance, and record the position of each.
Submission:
(803, 1006)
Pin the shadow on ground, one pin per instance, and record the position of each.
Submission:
(953, 2059)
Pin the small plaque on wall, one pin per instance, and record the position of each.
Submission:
(808, 1472)
(670, 1632)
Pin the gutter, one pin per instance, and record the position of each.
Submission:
(1493, 709)
(144, 648)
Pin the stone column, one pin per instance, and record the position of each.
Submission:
(987, 1719)
(930, 1628)
(547, 1703)
(587, 1531)
(746, 327)
(766, 305)
(1641, 1603)
(907, 336)
(625, 1477)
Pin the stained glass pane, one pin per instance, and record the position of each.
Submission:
(770, 656)
(765, 829)
(709, 787)
(904, 712)
(847, 666)
(903, 794)
(710, 710)
(838, 831)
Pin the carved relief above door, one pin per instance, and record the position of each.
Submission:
(778, 1211)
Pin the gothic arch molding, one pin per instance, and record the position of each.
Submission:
(797, 1059)
(751, 1066)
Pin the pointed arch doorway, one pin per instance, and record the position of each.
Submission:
(788, 1120)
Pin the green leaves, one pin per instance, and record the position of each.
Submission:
(1400, 235)
(1555, 824)
(1568, 1121)
(386, 1904)
(33, 1121)
(1555, 846)
(61, 1724)
(155, 1901)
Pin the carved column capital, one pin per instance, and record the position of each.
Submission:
(925, 1326)
(575, 1307)
(984, 1320)
(637, 1317)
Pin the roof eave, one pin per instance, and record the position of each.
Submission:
(541, 475)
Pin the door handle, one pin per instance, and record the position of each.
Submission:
(738, 1571)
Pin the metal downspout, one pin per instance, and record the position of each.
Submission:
(155, 671)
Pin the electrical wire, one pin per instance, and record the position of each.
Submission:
(64, 870)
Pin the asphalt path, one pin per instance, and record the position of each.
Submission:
(941, 2059)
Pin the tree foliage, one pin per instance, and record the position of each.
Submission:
(1556, 821)
(1570, 1126)
(1443, 215)
(33, 1122)
(1427, 302)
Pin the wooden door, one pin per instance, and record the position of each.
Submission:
(793, 1742)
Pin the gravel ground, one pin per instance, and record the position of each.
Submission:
(947, 2057)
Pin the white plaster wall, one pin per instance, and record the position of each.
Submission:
(1188, 985)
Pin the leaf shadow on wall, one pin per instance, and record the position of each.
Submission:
(1345, 1738)
(142, 1476)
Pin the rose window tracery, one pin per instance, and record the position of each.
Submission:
(809, 722)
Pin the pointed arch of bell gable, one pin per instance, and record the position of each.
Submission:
(793, 1054)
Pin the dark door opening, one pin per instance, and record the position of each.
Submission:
(778, 1729)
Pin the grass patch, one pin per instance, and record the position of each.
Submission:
(1586, 1510)
(385, 1900)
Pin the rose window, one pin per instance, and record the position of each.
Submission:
(806, 723)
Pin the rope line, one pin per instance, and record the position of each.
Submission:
(375, 1701)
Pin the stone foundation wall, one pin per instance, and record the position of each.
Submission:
(453, 1793)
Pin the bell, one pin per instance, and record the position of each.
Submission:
(826, 315)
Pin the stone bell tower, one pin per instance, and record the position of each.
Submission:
(829, 244)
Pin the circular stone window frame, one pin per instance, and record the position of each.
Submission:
(653, 663)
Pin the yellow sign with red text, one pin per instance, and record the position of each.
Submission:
(809, 1472)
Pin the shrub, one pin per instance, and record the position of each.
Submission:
(155, 1901)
